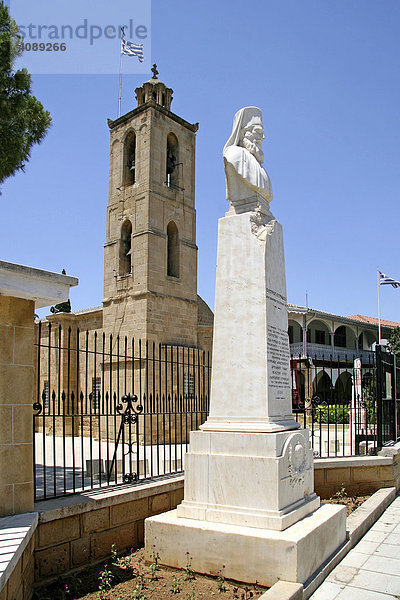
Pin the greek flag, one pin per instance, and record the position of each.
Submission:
(132, 49)
(385, 280)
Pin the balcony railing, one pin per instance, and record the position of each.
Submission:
(326, 351)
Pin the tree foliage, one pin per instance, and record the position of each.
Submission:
(394, 341)
(23, 120)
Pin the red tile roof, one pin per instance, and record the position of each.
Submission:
(374, 321)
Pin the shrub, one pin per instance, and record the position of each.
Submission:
(332, 413)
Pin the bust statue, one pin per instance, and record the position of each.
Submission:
(243, 157)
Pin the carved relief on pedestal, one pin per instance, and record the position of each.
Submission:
(298, 456)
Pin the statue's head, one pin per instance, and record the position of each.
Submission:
(248, 131)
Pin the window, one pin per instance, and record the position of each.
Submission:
(130, 159)
(172, 250)
(290, 333)
(46, 392)
(340, 337)
(96, 393)
(188, 385)
(172, 172)
(319, 336)
(125, 249)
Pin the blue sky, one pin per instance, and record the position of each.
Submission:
(325, 74)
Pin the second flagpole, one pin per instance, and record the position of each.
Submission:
(379, 307)
(120, 74)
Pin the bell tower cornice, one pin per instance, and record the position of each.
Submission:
(151, 104)
(153, 94)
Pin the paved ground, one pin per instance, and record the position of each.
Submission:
(371, 571)
(68, 463)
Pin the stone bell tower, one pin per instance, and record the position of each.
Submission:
(150, 254)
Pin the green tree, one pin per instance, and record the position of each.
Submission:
(394, 341)
(23, 120)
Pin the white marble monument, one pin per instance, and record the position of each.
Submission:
(249, 499)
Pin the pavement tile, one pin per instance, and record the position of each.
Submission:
(342, 574)
(366, 547)
(375, 536)
(389, 550)
(376, 582)
(327, 591)
(354, 559)
(383, 564)
(384, 526)
(397, 528)
(356, 594)
(392, 538)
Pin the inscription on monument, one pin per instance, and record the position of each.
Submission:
(278, 359)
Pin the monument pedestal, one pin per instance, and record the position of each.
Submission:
(249, 500)
(252, 479)
(249, 553)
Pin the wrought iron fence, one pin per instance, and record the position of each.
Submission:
(110, 411)
(337, 401)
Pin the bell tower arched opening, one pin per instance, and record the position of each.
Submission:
(172, 171)
(125, 249)
(129, 176)
(172, 250)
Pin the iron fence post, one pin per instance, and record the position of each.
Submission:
(379, 396)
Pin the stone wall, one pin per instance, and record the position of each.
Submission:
(358, 475)
(16, 379)
(73, 532)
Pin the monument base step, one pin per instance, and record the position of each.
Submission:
(248, 553)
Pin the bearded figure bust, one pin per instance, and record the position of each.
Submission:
(243, 157)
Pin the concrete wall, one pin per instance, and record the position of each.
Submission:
(17, 563)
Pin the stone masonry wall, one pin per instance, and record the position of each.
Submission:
(71, 535)
(16, 380)
(358, 475)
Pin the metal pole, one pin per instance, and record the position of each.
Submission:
(379, 307)
(120, 75)
(379, 396)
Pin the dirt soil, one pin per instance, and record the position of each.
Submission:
(351, 502)
(131, 578)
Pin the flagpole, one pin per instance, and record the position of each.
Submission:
(120, 75)
(379, 306)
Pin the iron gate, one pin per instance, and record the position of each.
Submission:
(388, 397)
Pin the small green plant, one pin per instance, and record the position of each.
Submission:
(340, 494)
(154, 567)
(175, 586)
(188, 569)
(138, 573)
(139, 592)
(191, 596)
(221, 580)
(105, 578)
(114, 552)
